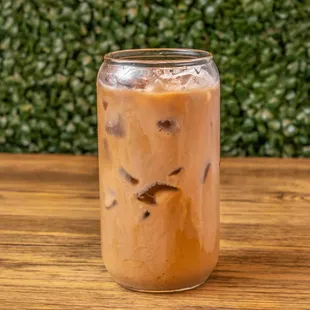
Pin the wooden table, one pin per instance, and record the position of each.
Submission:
(50, 243)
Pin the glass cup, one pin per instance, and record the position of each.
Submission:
(159, 157)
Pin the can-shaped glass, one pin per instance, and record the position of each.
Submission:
(159, 158)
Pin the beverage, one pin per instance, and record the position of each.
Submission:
(159, 181)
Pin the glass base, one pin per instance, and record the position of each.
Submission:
(162, 291)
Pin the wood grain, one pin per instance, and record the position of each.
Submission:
(50, 243)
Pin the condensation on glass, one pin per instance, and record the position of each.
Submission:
(159, 156)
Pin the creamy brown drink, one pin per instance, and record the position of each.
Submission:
(159, 154)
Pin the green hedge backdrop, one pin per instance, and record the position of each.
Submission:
(50, 52)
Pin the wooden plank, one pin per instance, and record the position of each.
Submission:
(50, 241)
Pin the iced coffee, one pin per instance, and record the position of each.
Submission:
(159, 154)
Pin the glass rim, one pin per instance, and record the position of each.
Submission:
(159, 57)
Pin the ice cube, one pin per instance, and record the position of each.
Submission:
(128, 177)
(155, 85)
(105, 104)
(132, 78)
(146, 214)
(168, 125)
(187, 78)
(206, 172)
(176, 171)
(148, 194)
(114, 125)
(110, 198)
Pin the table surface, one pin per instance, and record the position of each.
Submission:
(50, 241)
